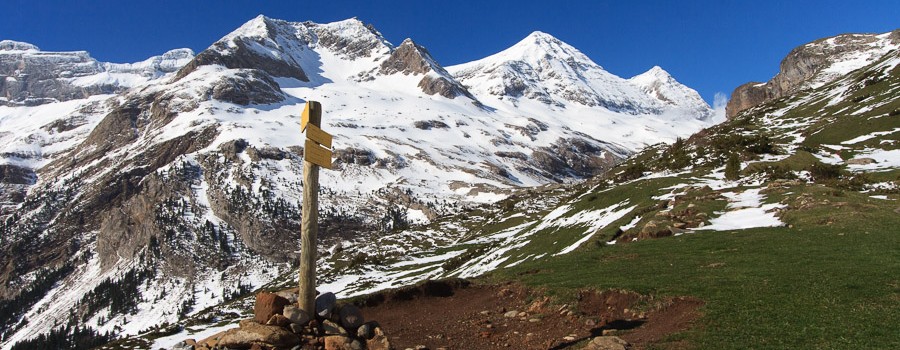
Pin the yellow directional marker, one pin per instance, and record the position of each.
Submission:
(317, 155)
(313, 110)
(314, 133)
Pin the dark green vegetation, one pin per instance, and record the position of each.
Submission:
(65, 338)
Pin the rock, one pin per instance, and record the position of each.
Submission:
(290, 295)
(534, 320)
(268, 304)
(357, 344)
(351, 317)
(325, 303)
(861, 161)
(279, 320)
(296, 328)
(182, 346)
(337, 342)
(332, 328)
(211, 341)
(252, 333)
(296, 315)
(511, 314)
(607, 343)
(379, 341)
(367, 330)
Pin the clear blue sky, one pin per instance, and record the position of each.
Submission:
(712, 46)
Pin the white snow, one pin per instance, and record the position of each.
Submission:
(745, 210)
(869, 136)
(884, 160)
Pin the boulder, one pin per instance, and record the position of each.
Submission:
(337, 342)
(332, 328)
(279, 320)
(183, 346)
(254, 333)
(351, 317)
(325, 304)
(861, 161)
(268, 304)
(367, 330)
(607, 343)
(296, 315)
(379, 341)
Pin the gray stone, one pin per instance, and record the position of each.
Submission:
(182, 346)
(607, 343)
(511, 314)
(296, 315)
(325, 303)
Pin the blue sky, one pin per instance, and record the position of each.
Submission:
(712, 46)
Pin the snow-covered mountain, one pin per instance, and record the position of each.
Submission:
(543, 68)
(179, 184)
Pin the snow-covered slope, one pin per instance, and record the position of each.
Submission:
(194, 175)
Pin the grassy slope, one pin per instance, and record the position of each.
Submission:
(810, 286)
(829, 280)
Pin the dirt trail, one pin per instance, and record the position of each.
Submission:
(459, 315)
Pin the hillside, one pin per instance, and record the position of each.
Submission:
(780, 221)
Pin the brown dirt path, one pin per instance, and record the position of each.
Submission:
(458, 315)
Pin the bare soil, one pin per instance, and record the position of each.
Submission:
(456, 314)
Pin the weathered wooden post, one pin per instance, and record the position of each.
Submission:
(314, 155)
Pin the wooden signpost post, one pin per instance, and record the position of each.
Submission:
(316, 153)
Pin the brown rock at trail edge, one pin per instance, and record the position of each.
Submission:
(268, 304)
(279, 320)
(607, 343)
(337, 342)
(379, 341)
(253, 333)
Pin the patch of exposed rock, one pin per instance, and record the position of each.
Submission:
(411, 59)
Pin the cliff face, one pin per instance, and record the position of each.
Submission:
(813, 65)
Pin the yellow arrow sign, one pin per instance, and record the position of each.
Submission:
(314, 133)
(317, 155)
(312, 111)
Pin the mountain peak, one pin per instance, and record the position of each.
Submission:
(10, 45)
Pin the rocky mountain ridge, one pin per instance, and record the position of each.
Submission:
(34, 77)
(813, 65)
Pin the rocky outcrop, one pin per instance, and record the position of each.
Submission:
(247, 87)
(29, 76)
(811, 65)
(411, 59)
